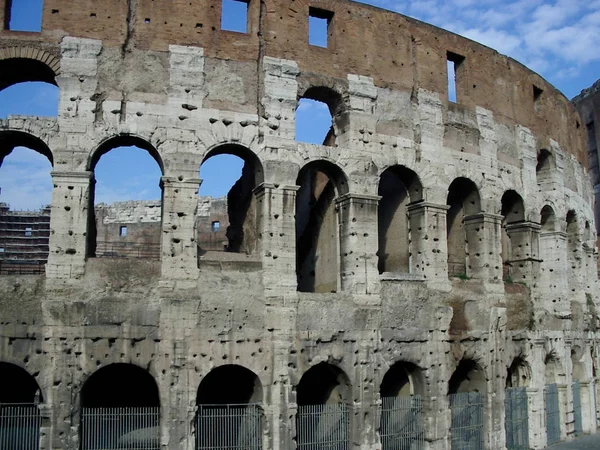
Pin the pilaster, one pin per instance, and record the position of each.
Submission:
(483, 247)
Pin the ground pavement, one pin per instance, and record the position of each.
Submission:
(583, 443)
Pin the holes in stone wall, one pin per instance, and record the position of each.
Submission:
(125, 215)
(230, 174)
(234, 15)
(319, 21)
(24, 15)
(454, 67)
(317, 229)
(398, 186)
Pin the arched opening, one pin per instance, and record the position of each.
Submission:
(544, 167)
(548, 219)
(401, 407)
(19, 413)
(466, 389)
(323, 419)
(513, 212)
(229, 413)
(317, 229)
(318, 115)
(25, 70)
(120, 408)
(552, 404)
(398, 186)
(125, 216)
(463, 200)
(516, 409)
(25, 197)
(228, 219)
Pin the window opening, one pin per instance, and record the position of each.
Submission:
(314, 124)
(537, 93)
(28, 231)
(227, 218)
(234, 15)
(453, 66)
(318, 27)
(24, 15)
(126, 192)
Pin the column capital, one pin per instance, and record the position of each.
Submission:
(484, 217)
(262, 188)
(85, 175)
(415, 206)
(522, 226)
(183, 183)
(357, 198)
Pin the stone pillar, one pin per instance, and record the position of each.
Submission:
(428, 244)
(588, 411)
(536, 418)
(179, 247)
(69, 224)
(525, 251)
(358, 243)
(552, 286)
(483, 246)
(276, 207)
(45, 426)
(566, 413)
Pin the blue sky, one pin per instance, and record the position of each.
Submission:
(559, 39)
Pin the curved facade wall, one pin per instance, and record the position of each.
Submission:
(488, 261)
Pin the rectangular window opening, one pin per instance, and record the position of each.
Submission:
(215, 226)
(234, 15)
(28, 231)
(453, 64)
(537, 94)
(318, 27)
(122, 231)
(23, 15)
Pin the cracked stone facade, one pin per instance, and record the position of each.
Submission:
(485, 260)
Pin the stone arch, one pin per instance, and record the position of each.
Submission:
(513, 212)
(463, 200)
(553, 370)
(10, 139)
(243, 208)
(548, 219)
(123, 140)
(329, 93)
(518, 374)
(322, 384)
(403, 378)
(468, 376)
(578, 371)
(545, 166)
(23, 63)
(317, 229)
(19, 386)
(398, 187)
(229, 384)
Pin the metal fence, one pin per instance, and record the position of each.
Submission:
(467, 426)
(323, 427)
(577, 419)
(552, 414)
(19, 427)
(402, 423)
(233, 427)
(127, 250)
(22, 267)
(516, 419)
(132, 428)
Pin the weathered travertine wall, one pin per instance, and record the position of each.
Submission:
(505, 161)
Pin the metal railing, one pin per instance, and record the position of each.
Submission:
(232, 427)
(132, 428)
(402, 423)
(127, 250)
(552, 414)
(457, 269)
(8, 267)
(516, 419)
(577, 419)
(467, 428)
(19, 426)
(323, 427)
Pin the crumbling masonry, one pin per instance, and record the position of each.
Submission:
(430, 248)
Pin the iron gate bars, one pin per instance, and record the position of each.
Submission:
(466, 427)
(19, 426)
(577, 419)
(552, 414)
(402, 423)
(516, 419)
(233, 427)
(323, 427)
(133, 428)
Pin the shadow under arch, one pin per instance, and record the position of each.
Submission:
(399, 187)
(230, 384)
(402, 379)
(467, 377)
(322, 384)
(548, 219)
(553, 370)
(518, 374)
(19, 386)
(21, 70)
(9, 140)
(317, 229)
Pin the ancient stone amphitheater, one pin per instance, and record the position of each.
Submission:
(425, 280)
